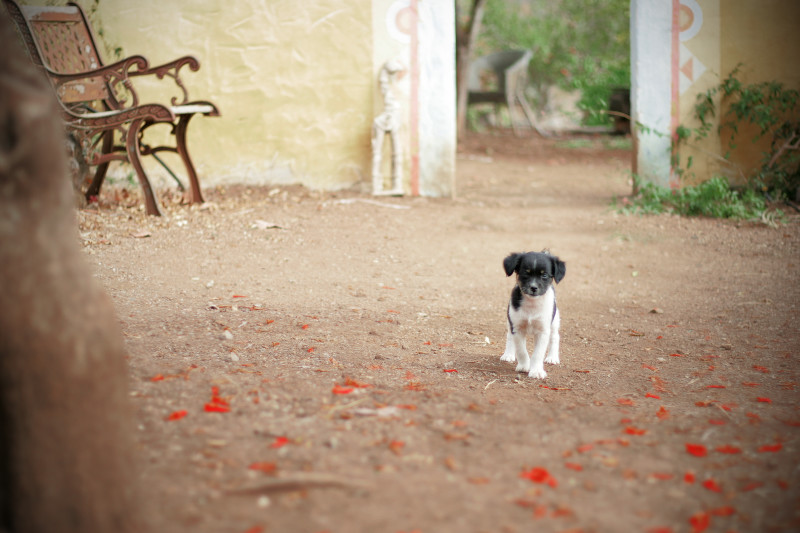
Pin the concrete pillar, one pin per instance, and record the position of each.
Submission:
(652, 87)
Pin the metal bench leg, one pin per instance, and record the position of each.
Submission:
(180, 141)
(133, 148)
(102, 168)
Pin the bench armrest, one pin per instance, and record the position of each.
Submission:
(171, 69)
(113, 75)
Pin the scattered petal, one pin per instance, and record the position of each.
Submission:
(761, 369)
(177, 415)
(356, 384)
(688, 477)
(574, 466)
(158, 377)
(770, 448)
(699, 522)
(752, 486)
(631, 430)
(539, 475)
(712, 485)
(338, 389)
(662, 413)
(396, 446)
(717, 421)
(715, 386)
(625, 401)
(764, 400)
(728, 449)
(651, 395)
(698, 450)
(264, 466)
(279, 442)
(663, 476)
(450, 370)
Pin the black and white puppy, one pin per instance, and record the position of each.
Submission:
(532, 310)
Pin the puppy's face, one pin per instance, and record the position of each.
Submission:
(535, 271)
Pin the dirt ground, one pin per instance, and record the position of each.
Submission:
(304, 361)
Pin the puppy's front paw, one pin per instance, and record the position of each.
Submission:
(508, 357)
(523, 368)
(537, 373)
(552, 359)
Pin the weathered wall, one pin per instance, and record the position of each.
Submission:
(296, 83)
(709, 38)
(290, 78)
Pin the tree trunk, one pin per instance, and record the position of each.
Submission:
(465, 38)
(66, 449)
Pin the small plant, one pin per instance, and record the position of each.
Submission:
(773, 110)
(713, 198)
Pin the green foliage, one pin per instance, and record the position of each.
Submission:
(775, 112)
(576, 44)
(713, 198)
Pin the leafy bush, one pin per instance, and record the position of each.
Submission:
(713, 198)
(576, 44)
(774, 110)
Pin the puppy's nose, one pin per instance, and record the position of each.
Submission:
(534, 289)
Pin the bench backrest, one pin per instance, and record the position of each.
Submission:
(63, 42)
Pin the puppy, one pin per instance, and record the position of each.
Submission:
(533, 310)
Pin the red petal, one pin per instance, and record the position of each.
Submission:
(338, 389)
(715, 386)
(661, 475)
(177, 415)
(662, 413)
(358, 385)
(700, 522)
(450, 370)
(539, 475)
(752, 486)
(717, 421)
(764, 400)
(279, 442)
(712, 485)
(761, 369)
(630, 430)
(770, 448)
(649, 395)
(698, 450)
(216, 408)
(264, 466)
(625, 401)
(157, 377)
(688, 477)
(728, 449)
(574, 466)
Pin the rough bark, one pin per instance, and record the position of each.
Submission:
(66, 450)
(465, 38)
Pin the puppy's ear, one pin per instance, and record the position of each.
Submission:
(511, 263)
(559, 269)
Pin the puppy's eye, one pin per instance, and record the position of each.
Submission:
(545, 275)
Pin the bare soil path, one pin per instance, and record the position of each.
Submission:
(311, 362)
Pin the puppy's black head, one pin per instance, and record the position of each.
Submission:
(535, 271)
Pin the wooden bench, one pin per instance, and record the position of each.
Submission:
(100, 102)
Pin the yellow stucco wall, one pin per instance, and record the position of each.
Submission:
(293, 81)
(715, 36)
